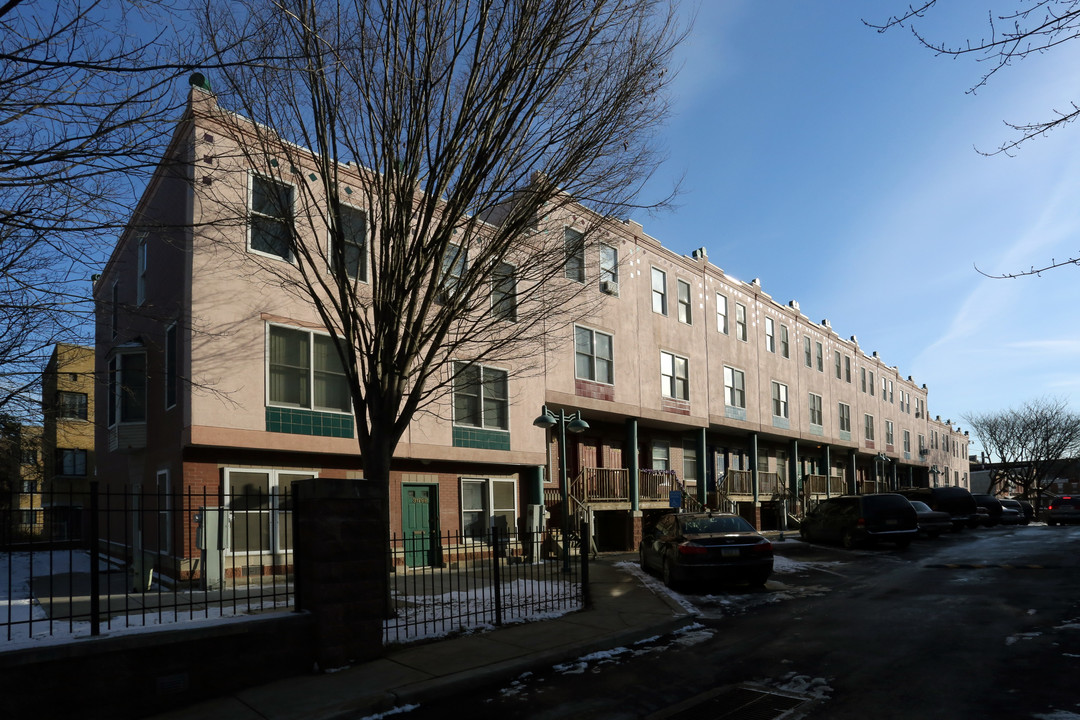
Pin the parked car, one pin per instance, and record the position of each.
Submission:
(706, 547)
(993, 508)
(1065, 509)
(854, 520)
(1012, 513)
(931, 522)
(1028, 510)
(956, 501)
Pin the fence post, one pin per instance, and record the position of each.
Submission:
(496, 544)
(95, 578)
(586, 596)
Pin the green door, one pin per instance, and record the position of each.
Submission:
(416, 514)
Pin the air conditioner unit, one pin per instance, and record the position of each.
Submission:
(924, 451)
(918, 414)
(610, 287)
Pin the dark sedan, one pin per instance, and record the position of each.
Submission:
(706, 547)
(861, 520)
(931, 522)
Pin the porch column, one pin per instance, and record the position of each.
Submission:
(703, 468)
(630, 460)
(853, 483)
(911, 475)
(895, 476)
(828, 470)
(754, 465)
(534, 491)
(793, 469)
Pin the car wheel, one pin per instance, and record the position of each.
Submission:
(849, 539)
(758, 579)
(934, 534)
(641, 558)
(1051, 523)
(669, 575)
(804, 534)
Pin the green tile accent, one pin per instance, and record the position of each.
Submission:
(481, 439)
(308, 422)
(735, 413)
(781, 422)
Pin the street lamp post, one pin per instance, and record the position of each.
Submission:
(575, 424)
(881, 458)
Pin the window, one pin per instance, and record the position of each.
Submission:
(259, 507)
(891, 391)
(593, 356)
(770, 339)
(140, 269)
(847, 368)
(721, 314)
(659, 291)
(170, 366)
(683, 290)
(690, 461)
(845, 417)
(819, 356)
(807, 357)
(734, 387)
(907, 441)
(888, 432)
(836, 357)
(870, 384)
(575, 255)
(486, 504)
(785, 349)
(868, 427)
(127, 388)
(348, 252)
(661, 455)
(454, 264)
(884, 391)
(740, 321)
(922, 443)
(70, 462)
(779, 400)
(72, 405)
(815, 410)
(481, 397)
(28, 456)
(271, 217)
(862, 379)
(504, 292)
(305, 371)
(674, 376)
(609, 266)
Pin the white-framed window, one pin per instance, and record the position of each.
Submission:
(884, 386)
(815, 409)
(258, 505)
(171, 366)
(674, 376)
(807, 357)
(271, 217)
(907, 441)
(609, 265)
(481, 397)
(683, 296)
(836, 358)
(847, 368)
(889, 432)
(72, 405)
(862, 379)
(785, 344)
(819, 357)
(593, 356)
(868, 426)
(71, 461)
(740, 321)
(779, 399)
(659, 291)
(845, 417)
(304, 370)
(721, 314)
(870, 382)
(141, 265)
(575, 254)
(349, 253)
(690, 461)
(454, 265)
(922, 443)
(770, 335)
(488, 503)
(504, 292)
(127, 388)
(891, 391)
(661, 455)
(734, 387)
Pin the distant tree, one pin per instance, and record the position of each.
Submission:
(1031, 443)
(1029, 28)
(469, 128)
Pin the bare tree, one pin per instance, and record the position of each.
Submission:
(1031, 443)
(82, 125)
(449, 141)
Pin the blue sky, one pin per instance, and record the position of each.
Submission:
(837, 165)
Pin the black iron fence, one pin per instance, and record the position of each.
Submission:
(86, 561)
(447, 583)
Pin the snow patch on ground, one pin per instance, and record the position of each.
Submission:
(1013, 639)
(393, 711)
(1057, 715)
(804, 685)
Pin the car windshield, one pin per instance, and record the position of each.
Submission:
(920, 506)
(711, 525)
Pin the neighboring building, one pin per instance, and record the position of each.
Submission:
(67, 443)
(689, 379)
(20, 481)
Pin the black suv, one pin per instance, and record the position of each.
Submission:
(956, 501)
(854, 520)
(1065, 509)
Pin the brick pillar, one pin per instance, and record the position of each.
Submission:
(341, 566)
(636, 529)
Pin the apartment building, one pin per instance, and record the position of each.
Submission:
(689, 380)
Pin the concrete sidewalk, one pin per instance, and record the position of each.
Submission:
(623, 612)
